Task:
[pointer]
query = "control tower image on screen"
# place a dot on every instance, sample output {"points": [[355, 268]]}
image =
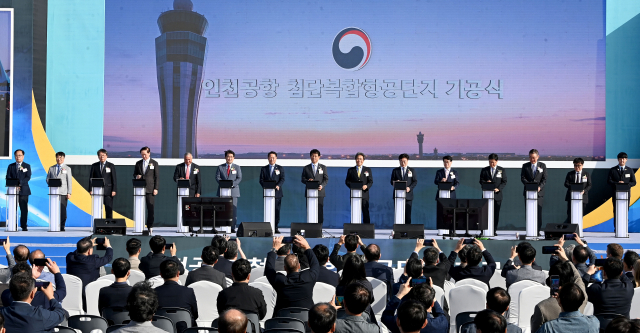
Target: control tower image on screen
{"points": [[180, 54]]}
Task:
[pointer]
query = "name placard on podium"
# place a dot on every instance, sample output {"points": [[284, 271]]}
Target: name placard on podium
{"points": [[399, 200], [622, 210], [12, 185], [225, 187], [489, 193], [356, 201], [531, 208], [54, 203], [313, 190], [269, 196], [139, 205], [576, 205]]}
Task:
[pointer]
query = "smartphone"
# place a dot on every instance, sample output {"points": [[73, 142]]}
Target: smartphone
{"points": [[601, 262], [428, 242], [555, 283], [549, 249], [469, 241], [287, 240], [100, 241], [415, 282], [40, 262], [569, 237], [43, 284], [339, 300], [168, 246], [353, 233], [2, 241], [232, 240]]}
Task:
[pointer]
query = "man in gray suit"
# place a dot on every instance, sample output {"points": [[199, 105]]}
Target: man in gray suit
{"points": [[142, 304], [231, 171], [63, 172], [5, 273], [513, 274]]}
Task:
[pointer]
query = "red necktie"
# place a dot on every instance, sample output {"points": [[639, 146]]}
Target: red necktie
{"points": [[188, 171], [228, 170]]}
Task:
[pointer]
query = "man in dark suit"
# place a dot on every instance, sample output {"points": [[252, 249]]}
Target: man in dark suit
{"points": [[436, 264], [446, 174], [620, 174], [21, 171], [361, 173], [107, 171], [240, 295], [578, 176], [190, 171], [405, 173], [629, 260], [39, 299], [474, 268], [318, 172], [324, 275], [497, 175], [535, 172], [221, 243], [206, 272], [21, 316], [86, 265], [172, 294], [147, 168], [150, 264], [116, 294], [351, 243], [296, 288], [233, 172], [274, 172], [377, 270], [615, 293]]}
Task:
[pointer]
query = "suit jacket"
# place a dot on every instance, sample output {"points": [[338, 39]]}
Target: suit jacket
{"points": [[64, 176], [23, 317], [243, 297], [328, 276], [108, 174], [499, 178], [294, 289], [206, 273], [410, 177], [628, 176], [195, 185], [321, 175], [87, 268], [135, 327], [525, 272], [453, 177], [381, 272], [5, 273], [224, 265], [152, 176], [150, 264], [23, 176], [40, 299], [480, 272], [365, 177], [571, 179], [438, 273], [171, 294], [338, 260], [279, 264], [114, 295], [235, 174], [526, 176], [612, 296], [278, 176]]}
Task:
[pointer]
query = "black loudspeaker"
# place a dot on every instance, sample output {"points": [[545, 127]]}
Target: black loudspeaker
{"points": [[554, 231], [408, 231], [254, 229], [307, 230], [362, 230], [110, 227]]}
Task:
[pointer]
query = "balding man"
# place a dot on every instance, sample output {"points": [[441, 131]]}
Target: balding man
{"points": [[296, 288], [191, 171], [377, 270], [43, 275], [233, 321], [21, 253]]}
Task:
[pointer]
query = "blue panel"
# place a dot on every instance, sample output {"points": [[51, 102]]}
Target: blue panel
{"points": [[75, 75]]}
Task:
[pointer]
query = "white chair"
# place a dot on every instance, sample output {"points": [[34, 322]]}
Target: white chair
{"points": [[256, 273], [473, 282], [73, 301], [514, 292], [229, 282], [439, 295], [448, 285], [135, 276], [262, 279], [206, 298], [546, 273], [156, 281], [323, 293], [397, 273], [92, 290], [588, 309], [635, 304], [109, 277], [183, 278], [497, 280], [269, 295], [380, 295], [465, 298], [529, 298]]}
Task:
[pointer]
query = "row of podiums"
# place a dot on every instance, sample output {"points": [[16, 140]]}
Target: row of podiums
{"points": [[312, 191]]}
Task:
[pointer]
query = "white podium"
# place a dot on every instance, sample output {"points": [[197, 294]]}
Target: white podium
{"points": [[97, 199], [313, 190], [576, 205], [531, 208], [488, 192], [444, 192], [356, 202], [12, 204], [269, 196], [400, 201], [54, 203], [622, 210], [225, 192], [139, 205], [183, 192]]}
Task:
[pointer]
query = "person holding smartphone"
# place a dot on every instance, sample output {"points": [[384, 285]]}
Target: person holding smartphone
{"points": [[436, 263], [39, 299], [527, 255], [474, 268], [84, 264], [5, 273], [150, 264]]}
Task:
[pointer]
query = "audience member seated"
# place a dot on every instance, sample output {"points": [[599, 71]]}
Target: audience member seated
{"points": [[623, 325], [5, 273], [570, 298], [630, 258], [489, 321], [223, 265], [423, 293], [354, 272], [39, 273], [549, 309], [615, 251], [325, 275], [517, 261], [172, 294], [412, 317], [240, 295], [233, 321], [233, 249], [150, 264], [21, 316], [21, 253], [86, 265], [296, 288], [206, 271], [351, 243], [436, 264], [322, 317], [377, 270], [527, 255], [40, 299], [412, 269], [462, 254], [115, 295], [578, 254], [614, 294], [282, 253], [142, 303], [474, 268], [498, 300], [134, 247], [356, 301]]}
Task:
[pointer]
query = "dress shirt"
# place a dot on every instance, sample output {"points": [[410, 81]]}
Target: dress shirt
{"points": [[571, 322]]}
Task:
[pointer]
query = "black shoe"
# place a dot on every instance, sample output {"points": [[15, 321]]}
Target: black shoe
{"points": [[62, 229], [25, 229]]}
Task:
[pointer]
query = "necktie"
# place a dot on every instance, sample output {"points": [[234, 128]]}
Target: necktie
{"points": [[492, 171], [58, 170], [101, 167], [358, 172], [533, 169], [271, 170], [578, 177], [19, 165], [228, 170], [187, 171], [314, 169], [146, 164], [621, 170]]}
